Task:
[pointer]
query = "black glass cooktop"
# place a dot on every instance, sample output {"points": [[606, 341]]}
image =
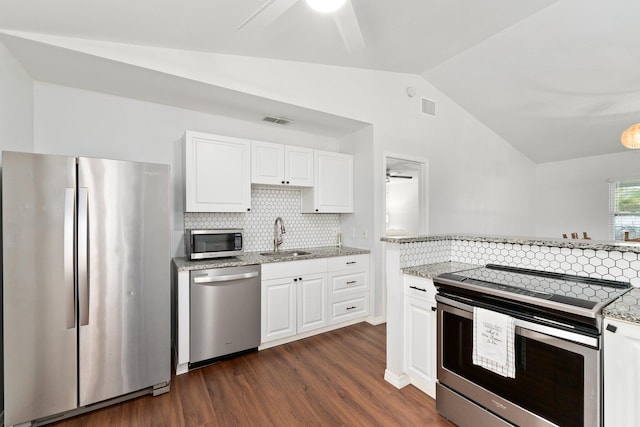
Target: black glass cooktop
{"points": [[555, 290]]}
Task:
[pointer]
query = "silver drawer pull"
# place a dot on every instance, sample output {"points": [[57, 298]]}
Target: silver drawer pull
{"points": [[351, 308], [351, 262], [351, 282], [418, 289]]}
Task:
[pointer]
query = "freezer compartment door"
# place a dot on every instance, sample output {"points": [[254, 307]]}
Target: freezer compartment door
{"points": [[39, 330], [123, 277]]}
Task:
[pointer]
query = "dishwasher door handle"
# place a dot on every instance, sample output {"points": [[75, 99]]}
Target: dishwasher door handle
{"points": [[205, 279]]}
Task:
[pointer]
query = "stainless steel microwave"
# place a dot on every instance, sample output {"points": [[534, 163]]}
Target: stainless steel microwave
{"points": [[206, 244]]}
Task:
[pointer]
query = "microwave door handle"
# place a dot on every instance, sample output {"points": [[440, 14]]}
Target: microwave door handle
{"points": [[68, 249], [83, 255]]}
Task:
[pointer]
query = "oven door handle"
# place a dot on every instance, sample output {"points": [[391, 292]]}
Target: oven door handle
{"points": [[541, 325]]}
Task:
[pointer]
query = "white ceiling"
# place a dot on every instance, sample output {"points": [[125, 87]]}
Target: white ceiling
{"points": [[557, 79]]}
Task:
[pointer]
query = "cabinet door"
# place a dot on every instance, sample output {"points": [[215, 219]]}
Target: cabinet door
{"points": [[267, 163], [312, 302], [420, 344], [298, 166], [217, 173], [332, 190], [621, 373], [278, 309]]}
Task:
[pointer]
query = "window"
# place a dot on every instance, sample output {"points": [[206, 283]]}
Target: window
{"points": [[624, 209]]}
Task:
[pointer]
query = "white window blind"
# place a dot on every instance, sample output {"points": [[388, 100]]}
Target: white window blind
{"points": [[624, 208]]}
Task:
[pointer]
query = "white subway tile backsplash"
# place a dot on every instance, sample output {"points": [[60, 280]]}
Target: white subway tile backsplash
{"points": [[302, 230]]}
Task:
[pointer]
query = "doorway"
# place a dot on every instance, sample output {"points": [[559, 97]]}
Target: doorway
{"points": [[406, 212]]}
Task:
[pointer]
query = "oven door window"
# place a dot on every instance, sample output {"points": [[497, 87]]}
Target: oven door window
{"points": [[549, 380]]}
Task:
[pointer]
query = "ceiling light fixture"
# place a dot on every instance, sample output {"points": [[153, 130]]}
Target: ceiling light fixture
{"points": [[325, 6], [631, 137]]}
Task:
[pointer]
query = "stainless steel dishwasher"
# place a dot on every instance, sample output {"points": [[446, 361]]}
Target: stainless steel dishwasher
{"points": [[224, 313]]}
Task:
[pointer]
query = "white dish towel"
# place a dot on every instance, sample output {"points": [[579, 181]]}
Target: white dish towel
{"points": [[493, 342]]}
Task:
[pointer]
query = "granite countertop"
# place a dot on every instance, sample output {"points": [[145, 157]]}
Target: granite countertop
{"points": [[627, 307], [252, 258], [530, 241], [430, 270]]}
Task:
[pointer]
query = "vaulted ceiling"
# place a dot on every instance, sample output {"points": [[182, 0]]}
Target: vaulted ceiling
{"points": [[556, 79]]}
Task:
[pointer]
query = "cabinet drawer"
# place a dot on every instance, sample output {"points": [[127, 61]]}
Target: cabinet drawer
{"points": [[419, 287], [344, 283], [351, 308], [277, 270], [352, 262]]}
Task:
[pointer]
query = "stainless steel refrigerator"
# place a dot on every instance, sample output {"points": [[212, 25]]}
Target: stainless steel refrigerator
{"points": [[86, 293]]}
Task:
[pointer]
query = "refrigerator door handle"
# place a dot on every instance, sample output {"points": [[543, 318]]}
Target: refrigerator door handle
{"points": [[83, 255], [69, 240]]}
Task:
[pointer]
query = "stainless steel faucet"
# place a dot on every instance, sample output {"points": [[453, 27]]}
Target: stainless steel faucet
{"points": [[277, 234]]}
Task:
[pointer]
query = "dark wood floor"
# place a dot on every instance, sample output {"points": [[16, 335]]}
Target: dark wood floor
{"points": [[333, 379]]}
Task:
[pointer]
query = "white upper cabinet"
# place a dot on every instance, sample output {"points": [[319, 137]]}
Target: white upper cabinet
{"points": [[267, 163], [277, 164], [217, 173], [333, 184], [298, 166]]}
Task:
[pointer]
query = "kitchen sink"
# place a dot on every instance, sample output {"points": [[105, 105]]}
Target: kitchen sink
{"points": [[284, 254]]}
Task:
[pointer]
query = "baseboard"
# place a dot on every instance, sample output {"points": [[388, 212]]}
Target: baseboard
{"points": [[398, 381], [308, 334], [375, 321]]}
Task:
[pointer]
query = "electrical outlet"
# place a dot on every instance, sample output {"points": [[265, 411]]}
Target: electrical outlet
{"points": [[364, 233], [353, 232]]}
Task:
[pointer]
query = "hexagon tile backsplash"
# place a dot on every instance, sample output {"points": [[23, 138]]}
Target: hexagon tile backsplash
{"points": [[302, 230], [612, 265]]}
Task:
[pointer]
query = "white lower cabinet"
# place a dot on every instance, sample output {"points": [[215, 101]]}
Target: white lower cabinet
{"points": [[621, 373], [420, 333], [356, 306], [294, 298], [278, 309], [348, 287], [303, 298], [312, 302]]}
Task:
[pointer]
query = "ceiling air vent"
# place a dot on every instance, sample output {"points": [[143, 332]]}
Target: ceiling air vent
{"points": [[276, 120], [428, 107]]}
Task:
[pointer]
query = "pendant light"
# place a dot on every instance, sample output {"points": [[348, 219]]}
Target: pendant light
{"points": [[631, 137], [325, 6]]}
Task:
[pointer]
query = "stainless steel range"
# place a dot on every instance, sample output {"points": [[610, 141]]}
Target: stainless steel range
{"points": [[552, 354]]}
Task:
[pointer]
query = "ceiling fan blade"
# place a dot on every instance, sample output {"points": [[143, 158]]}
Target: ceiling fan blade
{"points": [[267, 13], [348, 27]]}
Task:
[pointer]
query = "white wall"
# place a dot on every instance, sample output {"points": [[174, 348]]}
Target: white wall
{"points": [[573, 195], [71, 121], [358, 228], [16, 104], [477, 182]]}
